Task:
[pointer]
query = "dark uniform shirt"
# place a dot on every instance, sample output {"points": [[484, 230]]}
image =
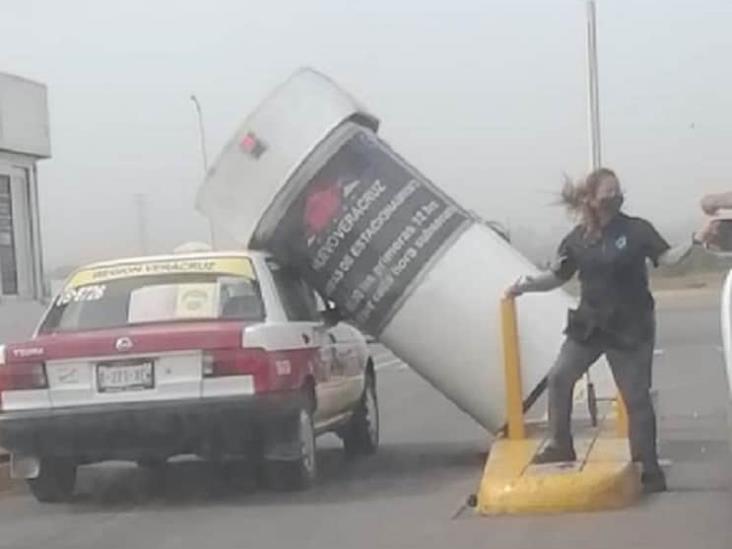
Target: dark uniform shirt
{"points": [[616, 306]]}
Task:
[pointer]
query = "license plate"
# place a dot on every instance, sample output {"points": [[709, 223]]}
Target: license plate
{"points": [[125, 377]]}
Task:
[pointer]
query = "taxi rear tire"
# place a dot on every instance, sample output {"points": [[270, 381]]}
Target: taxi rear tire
{"points": [[55, 481], [300, 473], [361, 435]]}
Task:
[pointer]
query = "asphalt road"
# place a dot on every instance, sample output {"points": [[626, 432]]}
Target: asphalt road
{"points": [[408, 495]]}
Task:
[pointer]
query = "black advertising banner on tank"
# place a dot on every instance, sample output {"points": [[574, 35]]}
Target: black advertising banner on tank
{"points": [[363, 228]]}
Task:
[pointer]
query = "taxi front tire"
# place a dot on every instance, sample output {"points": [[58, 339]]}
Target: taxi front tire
{"points": [[55, 481], [361, 435]]}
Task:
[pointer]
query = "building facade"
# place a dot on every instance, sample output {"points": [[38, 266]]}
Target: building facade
{"points": [[24, 141]]}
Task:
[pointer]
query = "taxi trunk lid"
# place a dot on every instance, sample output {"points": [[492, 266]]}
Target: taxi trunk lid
{"points": [[156, 362]]}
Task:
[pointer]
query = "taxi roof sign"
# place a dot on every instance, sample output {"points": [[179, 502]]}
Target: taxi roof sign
{"points": [[236, 266]]}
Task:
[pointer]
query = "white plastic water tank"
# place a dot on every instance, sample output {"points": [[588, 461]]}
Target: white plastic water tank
{"points": [[307, 178]]}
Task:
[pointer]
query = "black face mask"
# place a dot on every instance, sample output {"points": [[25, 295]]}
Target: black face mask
{"points": [[612, 204]]}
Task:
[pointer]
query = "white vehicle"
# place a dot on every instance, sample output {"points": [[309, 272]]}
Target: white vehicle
{"points": [[727, 343], [216, 354]]}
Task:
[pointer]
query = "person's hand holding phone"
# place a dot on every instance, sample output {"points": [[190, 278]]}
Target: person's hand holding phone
{"points": [[712, 203]]}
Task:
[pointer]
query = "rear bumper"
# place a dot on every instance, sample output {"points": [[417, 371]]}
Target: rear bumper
{"points": [[209, 427]]}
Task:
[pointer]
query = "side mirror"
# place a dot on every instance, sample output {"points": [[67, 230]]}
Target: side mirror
{"points": [[331, 316]]}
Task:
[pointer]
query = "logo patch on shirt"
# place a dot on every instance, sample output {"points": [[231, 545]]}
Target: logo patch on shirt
{"points": [[621, 243]]}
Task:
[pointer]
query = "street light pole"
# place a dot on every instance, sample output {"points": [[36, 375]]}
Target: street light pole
{"points": [[202, 135], [593, 104], [201, 132], [142, 227], [593, 89]]}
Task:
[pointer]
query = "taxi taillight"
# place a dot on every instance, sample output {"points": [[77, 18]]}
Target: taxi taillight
{"points": [[235, 362], [23, 376]]}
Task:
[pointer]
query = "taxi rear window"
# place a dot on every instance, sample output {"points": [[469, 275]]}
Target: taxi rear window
{"points": [[119, 297]]}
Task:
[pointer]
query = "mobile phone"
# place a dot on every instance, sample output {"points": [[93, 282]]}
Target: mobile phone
{"points": [[722, 240]]}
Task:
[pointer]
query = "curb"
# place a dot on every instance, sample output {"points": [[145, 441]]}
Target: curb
{"points": [[604, 478]]}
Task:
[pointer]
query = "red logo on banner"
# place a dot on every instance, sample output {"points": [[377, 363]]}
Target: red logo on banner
{"points": [[321, 206]]}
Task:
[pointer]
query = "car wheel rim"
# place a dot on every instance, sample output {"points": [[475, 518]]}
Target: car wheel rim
{"points": [[307, 440], [372, 416]]}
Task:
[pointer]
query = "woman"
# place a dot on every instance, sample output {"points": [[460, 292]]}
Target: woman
{"points": [[615, 316]]}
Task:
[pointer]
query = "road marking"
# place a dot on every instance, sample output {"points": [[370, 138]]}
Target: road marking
{"points": [[658, 352], [383, 358]]}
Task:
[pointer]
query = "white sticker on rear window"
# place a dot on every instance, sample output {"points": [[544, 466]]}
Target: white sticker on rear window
{"points": [[85, 293]]}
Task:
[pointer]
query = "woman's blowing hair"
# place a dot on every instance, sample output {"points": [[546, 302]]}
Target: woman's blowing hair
{"points": [[577, 198]]}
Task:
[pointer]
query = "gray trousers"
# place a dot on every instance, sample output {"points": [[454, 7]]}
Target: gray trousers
{"points": [[632, 372]]}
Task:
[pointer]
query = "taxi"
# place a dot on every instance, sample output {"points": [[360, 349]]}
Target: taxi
{"points": [[219, 355]]}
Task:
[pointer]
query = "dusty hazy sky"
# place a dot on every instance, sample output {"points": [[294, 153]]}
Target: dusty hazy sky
{"points": [[486, 97]]}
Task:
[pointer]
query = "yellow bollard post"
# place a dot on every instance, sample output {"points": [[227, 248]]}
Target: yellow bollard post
{"points": [[621, 427], [512, 367]]}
